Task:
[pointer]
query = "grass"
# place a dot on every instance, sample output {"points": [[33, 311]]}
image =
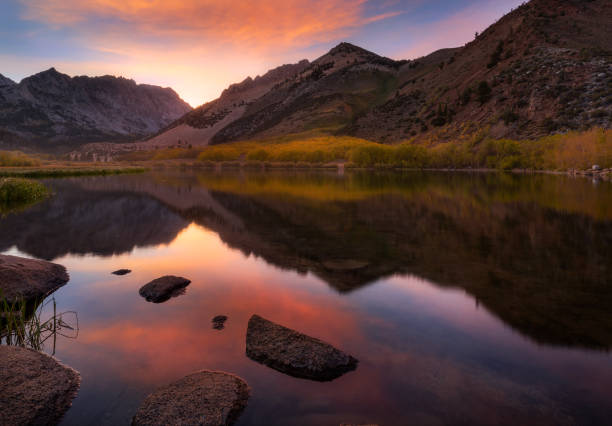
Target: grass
{"points": [[51, 172], [21, 324], [318, 149], [574, 150], [16, 159], [17, 194]]}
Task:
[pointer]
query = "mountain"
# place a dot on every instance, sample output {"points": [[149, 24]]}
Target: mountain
{"points": [[51, 110], [545, 67]]}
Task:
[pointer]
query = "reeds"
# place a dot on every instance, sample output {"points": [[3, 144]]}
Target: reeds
{"points": [[21, 324]]}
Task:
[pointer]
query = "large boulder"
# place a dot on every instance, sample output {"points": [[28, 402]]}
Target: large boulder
{"points": [[162, 289], [35, 389], [28, 279], [294, 353], [205, 398]]}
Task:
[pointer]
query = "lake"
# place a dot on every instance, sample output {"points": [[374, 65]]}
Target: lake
{"points": [[468, 298]]}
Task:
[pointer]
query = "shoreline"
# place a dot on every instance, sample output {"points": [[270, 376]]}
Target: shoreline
{"points": [[135, 167], [603, 174]]}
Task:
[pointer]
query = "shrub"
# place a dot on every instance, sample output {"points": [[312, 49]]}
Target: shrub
{"points": [[258, 155], [466, 96], [17, 193], [16, 159], [496, 55], [484, 92], [509, 117]]}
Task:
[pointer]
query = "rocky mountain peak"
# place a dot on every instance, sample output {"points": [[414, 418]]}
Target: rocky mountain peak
{"points": [[77, 110], [348, 48], [6, 82]]}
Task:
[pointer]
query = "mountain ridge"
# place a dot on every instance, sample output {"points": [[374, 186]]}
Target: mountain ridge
{"points": [[50, 110], [545, 67]]}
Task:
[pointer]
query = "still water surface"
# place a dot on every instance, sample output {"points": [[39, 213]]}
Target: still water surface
{"points": [[467, 298]]}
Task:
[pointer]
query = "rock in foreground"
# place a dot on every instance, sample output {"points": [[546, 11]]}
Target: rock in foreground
{"points": [[162, 289], [295, 353], [35, 388], [28, 279], [204, 398]]}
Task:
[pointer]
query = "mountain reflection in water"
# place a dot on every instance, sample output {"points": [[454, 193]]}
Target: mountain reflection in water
{"points": [[533, 250]]}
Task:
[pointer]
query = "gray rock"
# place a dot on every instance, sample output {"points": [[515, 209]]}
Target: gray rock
{"points": [[35, 388], [28, 279], [205, 398], [294, 353], [162, 289], [121, 272]]}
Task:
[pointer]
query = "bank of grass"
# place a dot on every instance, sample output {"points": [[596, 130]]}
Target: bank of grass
{"points": [[51, 172], [574, 150], [17, 194], [313, 150], [17, 159]]}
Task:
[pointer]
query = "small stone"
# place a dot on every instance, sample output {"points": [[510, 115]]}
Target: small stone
{"points": [[28, 279], [219, 322], [36, 389], [162, 289], [121, 272], [294, 353], [209, 398]]}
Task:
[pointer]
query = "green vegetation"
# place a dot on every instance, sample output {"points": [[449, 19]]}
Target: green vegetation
{"points": [[17, 194], [16, 159], [70, 172], [21, 324], [558, 152], [313, 150]]}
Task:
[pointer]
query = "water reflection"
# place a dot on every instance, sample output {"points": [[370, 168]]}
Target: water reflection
{"points": [[432, 281], [533, 250], [76, 220]]}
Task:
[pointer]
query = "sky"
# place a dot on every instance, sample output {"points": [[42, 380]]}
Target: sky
{"points": [[199, 47]]}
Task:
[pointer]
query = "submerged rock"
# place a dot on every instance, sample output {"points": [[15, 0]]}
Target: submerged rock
{"points": [[121, 272], [294, 353], [28, 279], [162, 289], [219, 322], [35, 388], [209, 398]]}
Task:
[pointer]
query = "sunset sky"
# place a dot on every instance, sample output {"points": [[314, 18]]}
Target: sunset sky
{"points": [[199, 47]]}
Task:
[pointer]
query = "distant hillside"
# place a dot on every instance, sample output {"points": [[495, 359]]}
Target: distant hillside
{"points": [[51, 111], [545, 67]]}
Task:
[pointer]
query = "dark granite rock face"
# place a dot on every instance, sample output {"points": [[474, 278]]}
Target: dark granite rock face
{"points": [[35, 388], [162, 289], [121, 272], [51, 109], [209, 398], [28, 279], [294, 353]]}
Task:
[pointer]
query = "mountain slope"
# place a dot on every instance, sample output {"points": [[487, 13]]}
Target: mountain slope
{"points": [[50, 110], [545, 67]]}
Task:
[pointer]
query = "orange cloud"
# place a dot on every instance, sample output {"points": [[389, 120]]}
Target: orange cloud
{"points": [[254, 23], [197, 47]]}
